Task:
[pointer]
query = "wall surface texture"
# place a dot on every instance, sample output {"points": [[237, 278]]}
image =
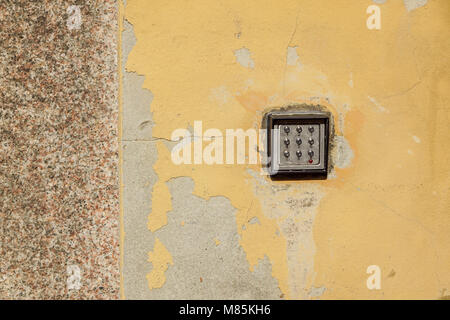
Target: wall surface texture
{"points": [[59, 161], [226, 231], [92, 205]]}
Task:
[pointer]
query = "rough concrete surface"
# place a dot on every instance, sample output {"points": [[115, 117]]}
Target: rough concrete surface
{"points": [[384, 203], [208, 260], [221, 231]]}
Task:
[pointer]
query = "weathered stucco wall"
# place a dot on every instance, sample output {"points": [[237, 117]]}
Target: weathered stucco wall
{"points": [[225, 231], [59, 153]]}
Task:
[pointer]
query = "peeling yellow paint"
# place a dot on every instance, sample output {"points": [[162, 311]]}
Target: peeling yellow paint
{"points": [[386, 207], [160, 259]]}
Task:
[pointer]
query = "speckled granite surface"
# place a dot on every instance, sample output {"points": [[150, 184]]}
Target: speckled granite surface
{"points": [[59, 190]]}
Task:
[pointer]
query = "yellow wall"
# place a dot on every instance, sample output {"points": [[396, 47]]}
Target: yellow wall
{"points": [[388, 90]]}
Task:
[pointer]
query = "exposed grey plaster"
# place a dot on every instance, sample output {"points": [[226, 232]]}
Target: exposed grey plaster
{"points": [[416, 139], [294, 208], [292, 57], [139, 155], [209, 262], [137, 123], [138, 177], [350, 82], [377, 104], [411, 5], [243, 57], [254, 220], [379, 1]]}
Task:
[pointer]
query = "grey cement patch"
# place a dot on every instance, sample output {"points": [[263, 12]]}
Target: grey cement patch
{"points": [[294, 207], [137, 121], [138, 177], [139, 155], [292, 57], [208, 261], [342, 153], [317, 292]]}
